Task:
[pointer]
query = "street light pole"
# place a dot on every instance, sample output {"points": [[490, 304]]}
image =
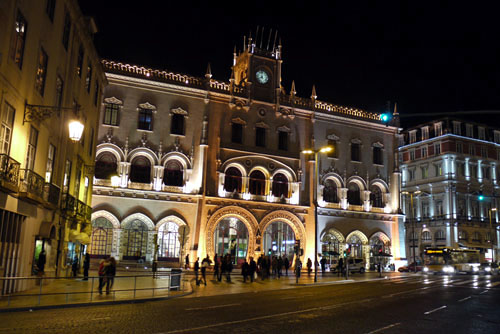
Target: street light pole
{"points": [[413, 227], [493, 234]]}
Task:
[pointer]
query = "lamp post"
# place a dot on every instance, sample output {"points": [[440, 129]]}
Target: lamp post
{"points": [[324, 149], [412, 226], [493, 234]]}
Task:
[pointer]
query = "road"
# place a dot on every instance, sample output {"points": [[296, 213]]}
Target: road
{"points": [[406, 304]]}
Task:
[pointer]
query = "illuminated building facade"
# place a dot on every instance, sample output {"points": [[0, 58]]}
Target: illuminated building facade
{"points": [[450, 171], [190, 165], [50, 75]]}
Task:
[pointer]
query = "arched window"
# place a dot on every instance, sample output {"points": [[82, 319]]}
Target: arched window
{"points": [[353, 194], [257, 183], [173, 174], [231, 237], [102, 238], [280, 185], [105, 165], [439, 235], [330, 193], [135, 240], [279, 240], [140, 170], [426, 236], [233, 180], [376, 197], [168, 241], [330, 245], [476, 237], [356, 246]]}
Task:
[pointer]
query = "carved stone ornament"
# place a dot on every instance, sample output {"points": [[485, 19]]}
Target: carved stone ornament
{"points": [[248, 162], [356, 141], [262, 125], [179, 111], [238, 120], [148, 105], [284, 128], [378, 144], [332, 137], [262, 112], [113, 100]]}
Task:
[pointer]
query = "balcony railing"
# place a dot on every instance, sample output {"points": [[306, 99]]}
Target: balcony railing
{"points": [[68, 204], [9, 173], [51, 194], [81, 209], [31, 185]]}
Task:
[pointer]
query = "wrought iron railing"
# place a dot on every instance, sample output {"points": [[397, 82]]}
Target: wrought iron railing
{"points": [[51, 194], [81, 208], [68, 204], [31, 183], [9, 170]]}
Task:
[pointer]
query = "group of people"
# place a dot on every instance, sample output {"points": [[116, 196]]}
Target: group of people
{"points": [[107, 273]]}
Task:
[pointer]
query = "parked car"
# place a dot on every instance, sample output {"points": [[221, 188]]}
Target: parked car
{"points": [[357, 266], [410, 268], [488, 268]]}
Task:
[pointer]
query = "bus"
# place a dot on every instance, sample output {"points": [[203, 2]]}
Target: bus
{"points": [[447, 260]]}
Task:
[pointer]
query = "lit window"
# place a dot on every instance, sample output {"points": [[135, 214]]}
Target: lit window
{"points": [[145, 119], [41, 72], [111, 111], [19, 40], [6, 127]]}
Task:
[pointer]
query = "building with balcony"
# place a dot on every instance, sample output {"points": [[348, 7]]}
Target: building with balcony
{"points": [[450, 180], [193, 165], [50, 74]]}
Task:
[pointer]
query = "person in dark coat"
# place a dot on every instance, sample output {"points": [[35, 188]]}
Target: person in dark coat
{"points": [[216, 266], [252, 267], [309, 267], [74, 266], [86, 267], [154, 269], [204, 265], [340, 267], [196, 269], [323, 265], [229, 268], [186, 260], [245, 270], [280, 266], [286, 263], [42, 258], [110, 274]]}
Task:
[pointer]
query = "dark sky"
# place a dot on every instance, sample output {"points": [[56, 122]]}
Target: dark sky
{"points": [[426, 56]]}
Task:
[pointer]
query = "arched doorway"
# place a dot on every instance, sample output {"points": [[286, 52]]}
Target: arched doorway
{"points": [[231, 237], [140, 170], [135, 240], [279, 240], [173, 174], [105, 165], [257, 183], [330, 193], [232, 180], [331, 248], [356, 245], [102, 238], [280, 186], [380, 250], [168, 242]]}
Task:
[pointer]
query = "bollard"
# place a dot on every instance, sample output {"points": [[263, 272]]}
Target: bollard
{"points": [[40, 292], [92, 289]]}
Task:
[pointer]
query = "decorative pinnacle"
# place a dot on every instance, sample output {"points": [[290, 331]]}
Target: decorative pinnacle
{"points": [[395, 112], [293, 91], [313, 95], [208, 75]]}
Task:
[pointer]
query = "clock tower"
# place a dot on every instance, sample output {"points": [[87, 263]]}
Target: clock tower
{"points": [[258, 68]]}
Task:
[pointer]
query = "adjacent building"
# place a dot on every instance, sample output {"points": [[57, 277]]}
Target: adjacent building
{"points": [[194, 165], [450, 186], [50, 75]]}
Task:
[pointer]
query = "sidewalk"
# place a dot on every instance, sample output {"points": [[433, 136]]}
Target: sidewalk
{"points": [[66, 292]]}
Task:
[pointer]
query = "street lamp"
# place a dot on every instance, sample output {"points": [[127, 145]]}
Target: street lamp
{"points": [[493, 234], [324, 149], [413, 225]]}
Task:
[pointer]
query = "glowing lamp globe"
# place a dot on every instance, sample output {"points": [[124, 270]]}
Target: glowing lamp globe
{"points": [[75, 130]]}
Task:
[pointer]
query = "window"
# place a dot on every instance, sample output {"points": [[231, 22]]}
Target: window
{"points": [[472, 149], [59, 91], [330, 192], [411, 174], [280, 186], [50, 8], [173, 174], [19, 40], [484, 152], [257, 183], [439, 170], [168, 240], [424, 152], [177, 126], [481, 133], [283, 140], [412, 155], [145, 119], [88, 78], [426, 236], [437, 149], [260, 137], [31, 152], [439, 235], [91, 142], [486, 172], [50, 163], [334, 152], [67, 31], [237, 133], [460, 147], [476, 237], [462, 235], [41, 72], [6, 127], [378, 158], [96, 93], [456, 128], [67, 175], [425, 133], [439, 209], [111, 111], [353, 194], [376, 197], [438, 130], [79, 63], [425, 210], [355, 152], [233, 180], [413, 136], [461, 167], [140, 170], [496, 135], [469, 130], [105, 166]]}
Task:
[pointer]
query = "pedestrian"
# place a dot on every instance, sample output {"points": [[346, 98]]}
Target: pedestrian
{"points": [[280, 266], [340, 267], [196, 269], [204, 265], [110, 274], [323, 265], [245, 270], [298, 268], [223, 266], [216, 266], [252, 268], [154, 268], [42, 258], [86, 267], [309, 266], [102, 274], [186, 262], [229, 268], [287, 265], [259, 265], [275, 266], [74, 266]]}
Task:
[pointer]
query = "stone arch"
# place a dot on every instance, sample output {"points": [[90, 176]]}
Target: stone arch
{"points": [[290, 176], [360, 235], [145, 152], [139, 216], [261, 169], [107, 215], [382, 236], [111, 148], [178, 156], [380, 184], [358, 180], [291, 219], [171, 218], [236, 165], [335, 233], [335, 178], [243, 215]]}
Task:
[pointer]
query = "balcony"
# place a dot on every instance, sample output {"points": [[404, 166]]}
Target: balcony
{"points": [[9, 173], [51, 195], [68, 204], [81, 209], [31, 186]]}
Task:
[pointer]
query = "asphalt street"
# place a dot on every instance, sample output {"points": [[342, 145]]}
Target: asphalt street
{"points": [[406, 304]]}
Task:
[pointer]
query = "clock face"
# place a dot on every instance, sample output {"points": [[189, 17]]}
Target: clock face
{"points": [[262, 77]]}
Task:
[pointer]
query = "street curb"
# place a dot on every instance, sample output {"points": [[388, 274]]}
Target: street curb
{"points": [[103, 303]]}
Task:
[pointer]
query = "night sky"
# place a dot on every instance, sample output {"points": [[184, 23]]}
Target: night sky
{"points": [[426, 56]]}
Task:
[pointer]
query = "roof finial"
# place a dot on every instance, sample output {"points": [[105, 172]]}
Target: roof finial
{"points": [[275, 36], [208, 75], [269, 39], [395, 112], [293, 91], [256, 35], [261, 37], [313, 95]]}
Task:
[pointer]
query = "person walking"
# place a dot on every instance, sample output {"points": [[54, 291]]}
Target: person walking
{"points": [[102, 274], [252, 268], [229, 268], [196, 269], [186, 262], [110, 274], [216, 266], [86, 267], [287, 265], [340, 267], [42, 258], [204, 265], [275, 266], [298, 269], [280, 266], [245, 270], [323, 265], [74, 266], [154, 269], [309, 266]]}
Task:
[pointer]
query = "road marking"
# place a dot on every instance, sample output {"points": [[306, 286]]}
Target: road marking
{"points": [[483, 292], [386, 327], [464, 282], [464, 299], [97, 319], [210, 307], [494, 284], [436, 309]]}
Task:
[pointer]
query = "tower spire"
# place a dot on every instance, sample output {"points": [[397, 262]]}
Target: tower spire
{"points": [[313, 94], [292, 91], [208, 75]]}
